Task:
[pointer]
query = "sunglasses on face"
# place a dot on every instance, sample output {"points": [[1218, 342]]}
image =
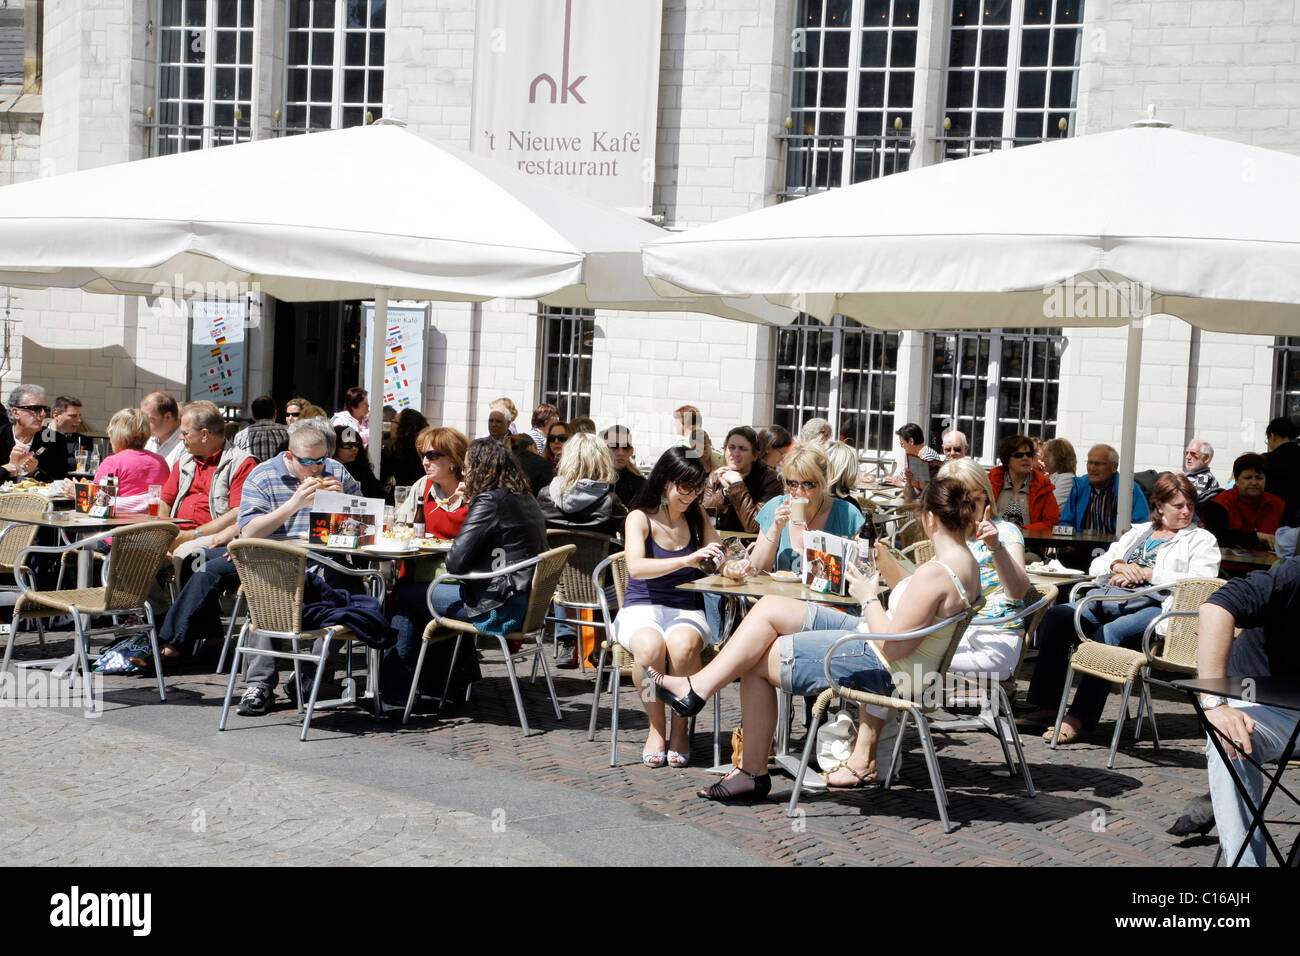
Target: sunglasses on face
{"points": [[794, 485], [619, 447], [687, 488], [1021, 454], [355, 446], [432, 455], [291, 414], [310, 462], [35, 409], [560, 438]]}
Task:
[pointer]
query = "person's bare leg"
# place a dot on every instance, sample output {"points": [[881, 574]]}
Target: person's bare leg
{"points": [[863, 758], [758, 717], [648, 650], [766, 621], [684, 647]]}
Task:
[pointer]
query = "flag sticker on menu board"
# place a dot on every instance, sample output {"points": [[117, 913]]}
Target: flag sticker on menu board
{"points": [[403, 352], [217, 349]]}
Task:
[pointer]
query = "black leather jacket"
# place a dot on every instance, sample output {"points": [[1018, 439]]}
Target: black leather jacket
{"points": [[500, 529]]}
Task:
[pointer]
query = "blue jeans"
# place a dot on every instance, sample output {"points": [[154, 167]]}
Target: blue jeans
{"points": [[409, 614], [1056, 637], [1273, 727], [196, 615]]}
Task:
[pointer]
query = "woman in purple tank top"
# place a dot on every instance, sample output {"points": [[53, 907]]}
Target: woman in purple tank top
{"points": [[667, 536]]}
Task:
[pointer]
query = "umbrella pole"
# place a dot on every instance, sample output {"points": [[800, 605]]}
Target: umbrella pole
{"points": [[1128, 432], [375, 376]]}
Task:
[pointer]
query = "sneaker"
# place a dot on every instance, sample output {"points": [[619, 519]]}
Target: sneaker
{"points": [[256, 702], [568, 655]]}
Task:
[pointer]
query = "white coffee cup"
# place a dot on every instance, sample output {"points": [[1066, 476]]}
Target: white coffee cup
{"points": [[799, 510]]}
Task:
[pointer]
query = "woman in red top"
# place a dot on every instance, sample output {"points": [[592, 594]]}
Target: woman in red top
{"points": [[1025, 496], [1245, 516], [437, 500]]}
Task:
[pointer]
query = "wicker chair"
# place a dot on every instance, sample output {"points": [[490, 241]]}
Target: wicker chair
{"points": [[920, 551], [996, 716], [547, 570], [921, 701], [133, 559], [1122, 665], [15, 536], [576, 590], [272, 578]]}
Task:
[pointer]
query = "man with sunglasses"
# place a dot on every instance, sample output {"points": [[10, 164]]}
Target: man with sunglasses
{"points": [[275, 502], [28, 447]]}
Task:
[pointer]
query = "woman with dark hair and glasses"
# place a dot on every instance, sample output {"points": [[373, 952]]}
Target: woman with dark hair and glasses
{"points": [[1025, 496], [501, 525], [805, 506], [349, 453], [667, 536], [557, 433]]}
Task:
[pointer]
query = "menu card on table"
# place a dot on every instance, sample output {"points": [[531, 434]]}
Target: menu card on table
{"points": [[95, 500], [824, 559], [345, 521]]}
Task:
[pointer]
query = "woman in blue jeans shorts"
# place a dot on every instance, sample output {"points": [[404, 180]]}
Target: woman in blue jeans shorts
{"points": [[783, 641], [1159, 552]]}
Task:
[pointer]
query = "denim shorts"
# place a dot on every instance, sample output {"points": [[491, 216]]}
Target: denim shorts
{"points": [[855, 664]]}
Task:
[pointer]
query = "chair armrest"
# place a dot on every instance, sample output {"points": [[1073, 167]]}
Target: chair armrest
{"points": [[20, 562], [869, 636], [1150, 633], [474, 576], [1080, 588], [1097, 598], [597, 573]]}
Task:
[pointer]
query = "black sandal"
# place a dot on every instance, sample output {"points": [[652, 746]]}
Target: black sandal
{"points": [[687, 706], [719, 793]]}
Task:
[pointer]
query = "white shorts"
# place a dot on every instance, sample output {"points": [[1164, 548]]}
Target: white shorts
{"points": [[655, 617]]}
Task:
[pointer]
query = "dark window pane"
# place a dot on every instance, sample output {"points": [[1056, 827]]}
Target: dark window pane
{"points": [[245, 86], [1069, 11], [356, 13], [1033, 90], [377, 14], [223, 115], [322, 49], [320, 117], [993, 89], [169, 46], [1029, 126], [299, 15], [354, 116], [376, 49], [246, 47], [905, 13], [1062, 93], [965, 12], [322, 86], [809, 83], [196, 13], [993, 47], [834, 90], [997, 11], [227, 13], [297, 49], [839, 13], [962, 47], [296, 90], [354, 86], [874, 44], [295, 117], [835, 49], [900, 90], [958, 124], [988, 125], [961, 89], [870, 124], [376, 92], [193, 83], [323, 14], [875, 13], [194, 115], [192, 46], [1033, 47], [170, 14], [224, 81], [902, 54], [354, 49], [871, 88], [1065, 47]]}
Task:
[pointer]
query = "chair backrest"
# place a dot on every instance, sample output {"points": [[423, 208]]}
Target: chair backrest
{"points": [[922, 551], [1179, 647], [1036, 593], [137, 552], [20, 503], [923, 694], [575, 586], [546, 576], [272, 575]]}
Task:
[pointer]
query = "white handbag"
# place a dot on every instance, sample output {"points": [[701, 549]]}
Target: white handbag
{"points": [[835, 741]]}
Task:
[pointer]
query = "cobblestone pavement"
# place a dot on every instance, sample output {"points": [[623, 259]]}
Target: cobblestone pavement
{"points": [[1083, 813], [84, 793]]}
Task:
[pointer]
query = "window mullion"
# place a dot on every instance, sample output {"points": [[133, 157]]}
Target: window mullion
{"points": [[852, 82], [336, 107], [1013, 70], [209, 71]]}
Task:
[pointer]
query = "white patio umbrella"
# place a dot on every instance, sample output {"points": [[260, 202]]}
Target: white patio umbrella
{"points": [[373, 211], [1098, 230]]}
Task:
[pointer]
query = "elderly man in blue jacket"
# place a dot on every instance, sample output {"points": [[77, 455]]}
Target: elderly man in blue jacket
{"points": [[1093, 498]]}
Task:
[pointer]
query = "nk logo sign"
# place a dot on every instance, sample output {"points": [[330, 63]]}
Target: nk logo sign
{"points": [[566, 87]]}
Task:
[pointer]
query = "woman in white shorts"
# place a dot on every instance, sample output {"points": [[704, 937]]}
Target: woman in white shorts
{"points": [[667, 536]]}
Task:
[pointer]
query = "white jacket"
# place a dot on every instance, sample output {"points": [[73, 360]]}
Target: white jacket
{"points": [[1193, 553]]}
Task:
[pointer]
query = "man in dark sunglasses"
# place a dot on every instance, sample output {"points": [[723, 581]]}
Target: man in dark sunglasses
{"points": [[29, 447]]}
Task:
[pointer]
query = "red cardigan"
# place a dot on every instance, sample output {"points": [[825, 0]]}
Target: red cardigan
{"points": [[1044, 512]]}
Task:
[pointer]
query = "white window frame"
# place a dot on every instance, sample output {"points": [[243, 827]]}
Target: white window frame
{"points": [[372, 111], [176, 133], [574, 325]]}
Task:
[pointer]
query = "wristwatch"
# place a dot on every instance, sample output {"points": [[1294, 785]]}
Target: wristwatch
{"points": [[1211, 701]]}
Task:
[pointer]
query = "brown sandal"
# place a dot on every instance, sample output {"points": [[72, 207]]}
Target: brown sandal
{"points": [[863, 778]]}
